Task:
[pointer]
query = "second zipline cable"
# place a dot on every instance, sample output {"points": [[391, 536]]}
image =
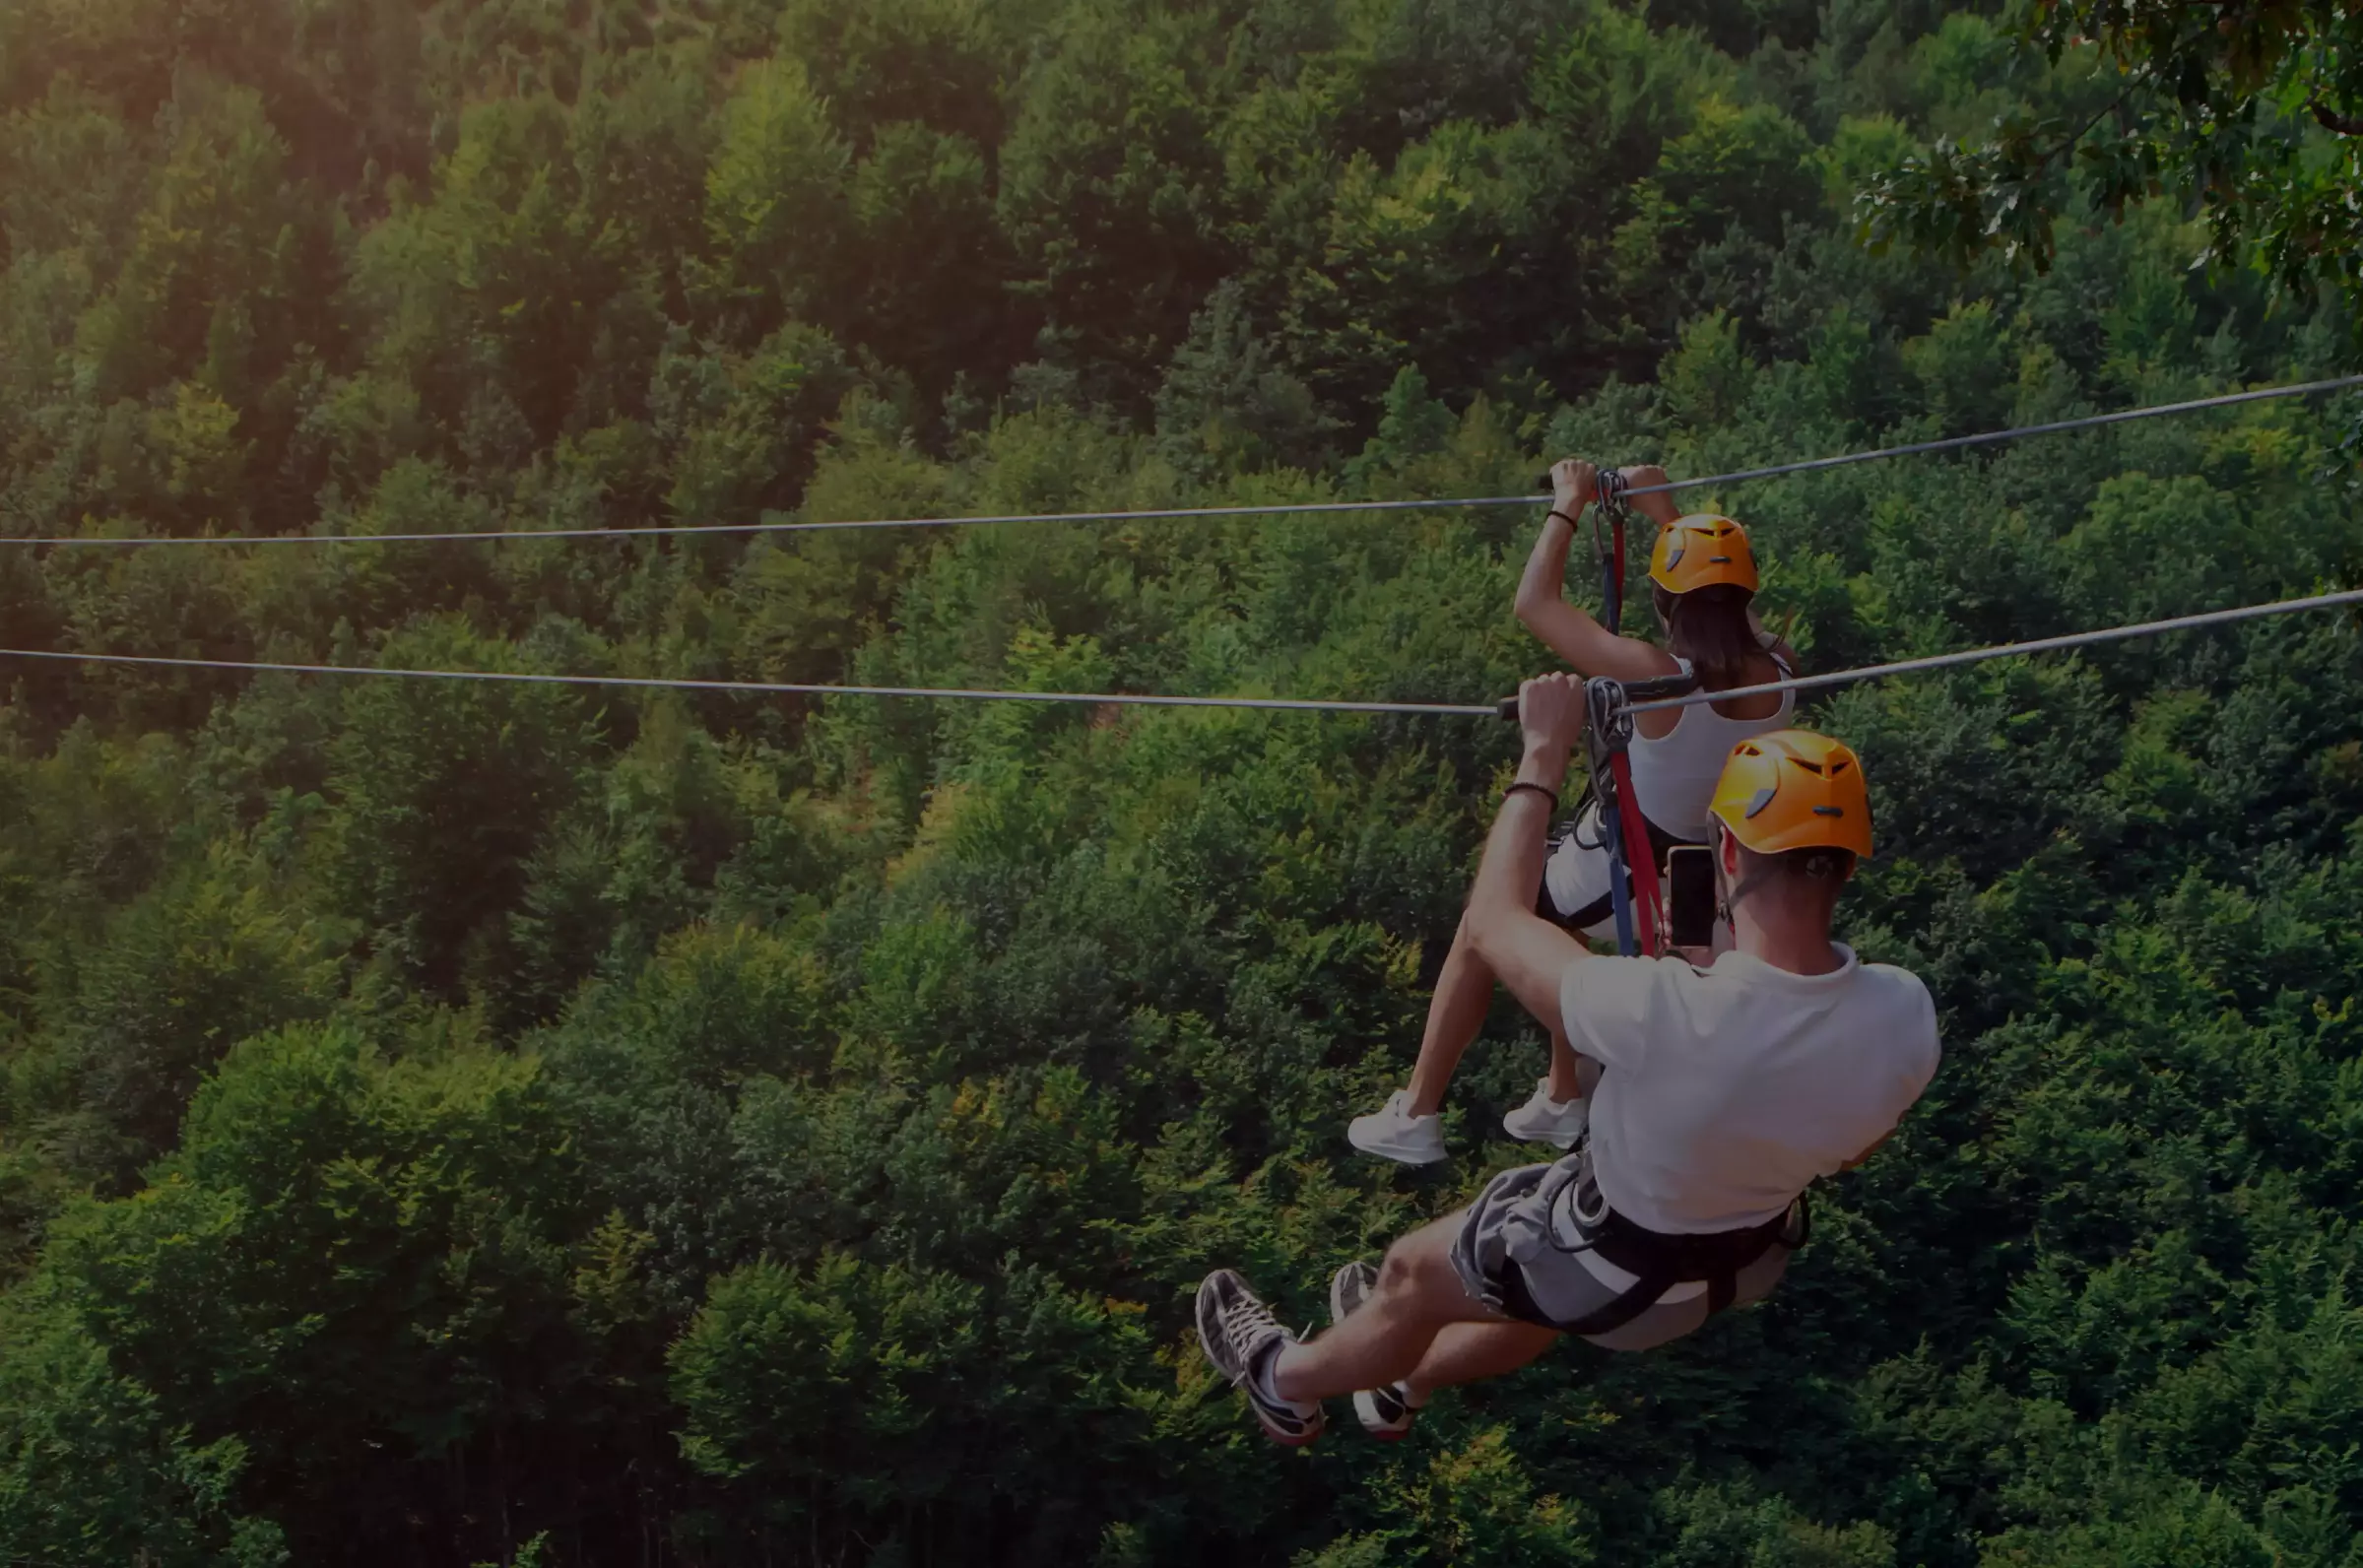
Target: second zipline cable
{"points": [[2009, 650], [1836, 678], [768, 688]]}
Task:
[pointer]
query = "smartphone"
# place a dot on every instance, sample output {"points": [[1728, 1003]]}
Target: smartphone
{"points": [[1691, 896]]}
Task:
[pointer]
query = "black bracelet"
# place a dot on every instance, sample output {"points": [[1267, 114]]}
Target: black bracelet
{"points": [[1543, 790], [1561, 516]]}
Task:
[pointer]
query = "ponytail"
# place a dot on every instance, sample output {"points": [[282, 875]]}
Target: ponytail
{"points": [[1712, 628]]}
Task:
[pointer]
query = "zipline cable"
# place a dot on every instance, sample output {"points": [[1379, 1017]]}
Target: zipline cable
{"points": [[2006, 650], [774, 688], [1953, 443], [1947, 444], [1942, 661]]}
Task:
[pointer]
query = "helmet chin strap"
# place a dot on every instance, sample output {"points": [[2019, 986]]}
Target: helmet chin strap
{"points": [[1730, 895], [1726, 896], [1746, 886]]}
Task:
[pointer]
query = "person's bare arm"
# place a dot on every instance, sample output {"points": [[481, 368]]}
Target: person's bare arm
{"points": [[1526, 953], [1566, 629], [1659, 505]]}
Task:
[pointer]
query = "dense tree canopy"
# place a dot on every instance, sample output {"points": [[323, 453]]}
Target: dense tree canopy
{"points": [[2250, 111], [452, 1124]]}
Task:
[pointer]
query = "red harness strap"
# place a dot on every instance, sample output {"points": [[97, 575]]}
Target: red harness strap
{"points": [[1612, 512], [1616, 606], [1649, 910]]}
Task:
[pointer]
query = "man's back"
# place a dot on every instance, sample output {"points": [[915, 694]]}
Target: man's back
{"points": [[1728, 1090]]}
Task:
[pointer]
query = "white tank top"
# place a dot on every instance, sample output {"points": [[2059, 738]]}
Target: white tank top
{"points": [[1675, 777]]}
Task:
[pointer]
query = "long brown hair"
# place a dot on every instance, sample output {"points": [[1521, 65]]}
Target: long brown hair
{"points": [[1711, 627]]}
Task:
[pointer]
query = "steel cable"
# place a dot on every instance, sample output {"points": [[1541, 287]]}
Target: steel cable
{"points": [[1835, 677], [689, 530]]}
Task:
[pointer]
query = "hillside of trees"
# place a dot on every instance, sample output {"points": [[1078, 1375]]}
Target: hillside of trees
{"points": [[452, 1124]]}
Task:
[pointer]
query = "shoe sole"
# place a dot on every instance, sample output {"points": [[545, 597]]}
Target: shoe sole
{"points": [[1399, 1156], [1556, 1140], [1287, 1439]]}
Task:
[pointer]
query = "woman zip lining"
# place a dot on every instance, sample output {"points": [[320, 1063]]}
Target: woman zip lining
{"points": [[1703, 581]]}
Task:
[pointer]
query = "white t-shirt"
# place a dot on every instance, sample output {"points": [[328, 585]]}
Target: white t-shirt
{"points": [[1728, 1090]]}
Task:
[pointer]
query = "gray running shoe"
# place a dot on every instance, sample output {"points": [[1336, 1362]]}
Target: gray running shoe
{"points": [[1237, 1332]]}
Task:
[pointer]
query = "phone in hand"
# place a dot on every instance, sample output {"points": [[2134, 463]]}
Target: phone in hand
{"points": [[1690, 896]]}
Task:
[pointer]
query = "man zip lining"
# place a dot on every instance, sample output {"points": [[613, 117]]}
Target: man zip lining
{"points": [[1719, 1095]]}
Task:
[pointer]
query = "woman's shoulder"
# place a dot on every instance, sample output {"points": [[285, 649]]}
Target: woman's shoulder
{"points": [[1775, 647], [1640, 659], [1760, 669]]}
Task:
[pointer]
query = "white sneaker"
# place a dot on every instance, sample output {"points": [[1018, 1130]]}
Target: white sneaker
{"points": [[1396, 1134], [1543, 1120]]}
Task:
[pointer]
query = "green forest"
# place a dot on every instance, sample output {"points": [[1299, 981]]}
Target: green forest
{"points": [[453, 1123]]}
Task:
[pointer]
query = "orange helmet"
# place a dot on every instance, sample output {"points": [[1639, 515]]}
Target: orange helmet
{"points": [[1700, 551], [1793, 789]]}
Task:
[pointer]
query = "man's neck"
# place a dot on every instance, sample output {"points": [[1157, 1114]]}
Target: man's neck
{"points": [[1784, 939]]}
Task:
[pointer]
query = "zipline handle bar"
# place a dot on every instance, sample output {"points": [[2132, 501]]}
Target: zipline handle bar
{"points": [[1656, 688]]}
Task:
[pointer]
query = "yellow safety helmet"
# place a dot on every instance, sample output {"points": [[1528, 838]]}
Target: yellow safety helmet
{"points": [[1700, 551], [1793, 789]]}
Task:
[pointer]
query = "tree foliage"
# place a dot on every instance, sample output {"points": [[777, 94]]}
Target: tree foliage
{"points": [[476, 1123], [2250, 115]]}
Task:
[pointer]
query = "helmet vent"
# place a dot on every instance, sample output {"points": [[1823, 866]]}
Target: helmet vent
{"points": [[1763, 797], [1829, 811]]}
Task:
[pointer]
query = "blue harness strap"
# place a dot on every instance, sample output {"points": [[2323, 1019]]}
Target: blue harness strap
{"points": [[1608, 547]]}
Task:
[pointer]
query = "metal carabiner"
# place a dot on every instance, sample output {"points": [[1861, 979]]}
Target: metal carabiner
{"points": [[1608, 731], [1608, 520]]}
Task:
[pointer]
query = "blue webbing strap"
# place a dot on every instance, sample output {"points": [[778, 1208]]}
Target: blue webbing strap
{"points": [[1608, 733]]}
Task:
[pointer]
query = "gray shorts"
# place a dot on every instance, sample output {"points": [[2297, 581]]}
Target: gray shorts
{"points": [[1524, 1219]]}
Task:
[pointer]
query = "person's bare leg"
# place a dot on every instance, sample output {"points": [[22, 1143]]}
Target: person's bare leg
{"points": [[1566, 1075], [1418, 1294], [1455, 1013], [1470, 1352]]}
